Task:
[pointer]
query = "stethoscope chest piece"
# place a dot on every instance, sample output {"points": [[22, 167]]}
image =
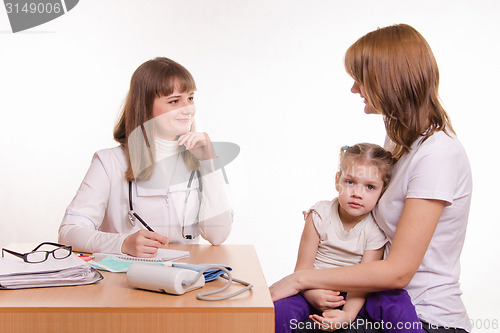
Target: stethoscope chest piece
{"points": [[131, 217]]}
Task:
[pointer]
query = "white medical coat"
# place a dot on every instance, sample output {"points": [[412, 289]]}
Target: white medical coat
{"points": [[97, 219]]}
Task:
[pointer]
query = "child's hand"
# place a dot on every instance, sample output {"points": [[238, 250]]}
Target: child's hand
{"points": [[332, 320], [322, 299]]}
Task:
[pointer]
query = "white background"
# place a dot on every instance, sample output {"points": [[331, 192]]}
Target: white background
{"points": [[270, 78]]}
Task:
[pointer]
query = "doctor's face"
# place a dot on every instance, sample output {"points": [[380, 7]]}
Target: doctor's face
{"points": [[174, 114]]}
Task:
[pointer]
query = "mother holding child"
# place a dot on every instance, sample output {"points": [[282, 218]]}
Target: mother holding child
{"points": [[410, 279]]}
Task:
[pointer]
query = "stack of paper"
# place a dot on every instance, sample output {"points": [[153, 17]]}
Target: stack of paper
{"points": [[71, 271]]}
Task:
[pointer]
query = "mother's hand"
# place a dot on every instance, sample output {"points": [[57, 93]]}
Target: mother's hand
{"points": [[286, 287], [198, 143]]}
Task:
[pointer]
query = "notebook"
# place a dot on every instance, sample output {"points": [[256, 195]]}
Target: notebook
{"points": [[161, 255]]}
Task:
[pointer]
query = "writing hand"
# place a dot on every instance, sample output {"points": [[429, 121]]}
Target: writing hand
{"points": [[143, 244]]}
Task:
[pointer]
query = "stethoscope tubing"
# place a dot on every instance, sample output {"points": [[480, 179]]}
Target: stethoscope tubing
{"points": [[133, 214], [131, 211]]}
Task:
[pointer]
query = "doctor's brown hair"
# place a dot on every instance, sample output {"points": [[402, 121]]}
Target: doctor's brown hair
{"points": [[154, 78], [397, 69], [369, 153]]}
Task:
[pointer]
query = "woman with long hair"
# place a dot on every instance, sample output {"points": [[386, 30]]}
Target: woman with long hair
{"points": [[161, 184], [424, 211]]}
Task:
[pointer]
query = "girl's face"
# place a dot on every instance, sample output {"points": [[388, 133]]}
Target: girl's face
{"points": [[357, 88], [174, 114], [360, 186]]}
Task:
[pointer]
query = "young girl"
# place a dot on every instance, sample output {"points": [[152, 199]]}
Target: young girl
{"points": [[343, 232], [161, 173]]}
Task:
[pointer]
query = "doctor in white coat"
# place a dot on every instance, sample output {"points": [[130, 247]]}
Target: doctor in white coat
{"points": [[163, 173]]}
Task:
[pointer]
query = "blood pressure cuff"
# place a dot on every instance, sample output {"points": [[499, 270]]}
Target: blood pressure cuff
{"points": [[210, 274]]}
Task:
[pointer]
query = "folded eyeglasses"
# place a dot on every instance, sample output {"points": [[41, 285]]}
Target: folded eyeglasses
{"points": [[38, 256]]}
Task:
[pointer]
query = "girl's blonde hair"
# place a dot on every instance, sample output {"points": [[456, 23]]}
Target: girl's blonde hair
{"points": [[397, 69], [368, 153], [154, 78]]}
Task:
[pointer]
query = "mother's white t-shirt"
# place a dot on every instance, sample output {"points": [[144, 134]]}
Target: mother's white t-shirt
{"points": [[437, 168]]}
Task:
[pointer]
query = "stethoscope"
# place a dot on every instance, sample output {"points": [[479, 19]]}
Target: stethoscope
{"points": [[133, 215]]}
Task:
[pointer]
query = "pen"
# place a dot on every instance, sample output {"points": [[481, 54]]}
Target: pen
{"points": [[132, 213], [141, 220], [85, 257]]}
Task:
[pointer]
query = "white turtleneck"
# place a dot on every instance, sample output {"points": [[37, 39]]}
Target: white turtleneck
{"points": [[166, 148]]}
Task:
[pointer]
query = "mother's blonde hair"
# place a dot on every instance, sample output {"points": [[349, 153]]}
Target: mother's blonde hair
{"points": [[154, 78], [400, 77]]}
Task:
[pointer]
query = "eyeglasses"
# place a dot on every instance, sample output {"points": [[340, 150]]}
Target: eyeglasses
{"points": [[35, 256]]}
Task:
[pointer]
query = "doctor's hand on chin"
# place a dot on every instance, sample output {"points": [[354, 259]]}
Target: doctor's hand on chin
{"points": [[198, 143], [143, 244]]}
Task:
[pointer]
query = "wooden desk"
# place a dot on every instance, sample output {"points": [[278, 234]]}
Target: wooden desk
{"points": [[112, 306]]}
